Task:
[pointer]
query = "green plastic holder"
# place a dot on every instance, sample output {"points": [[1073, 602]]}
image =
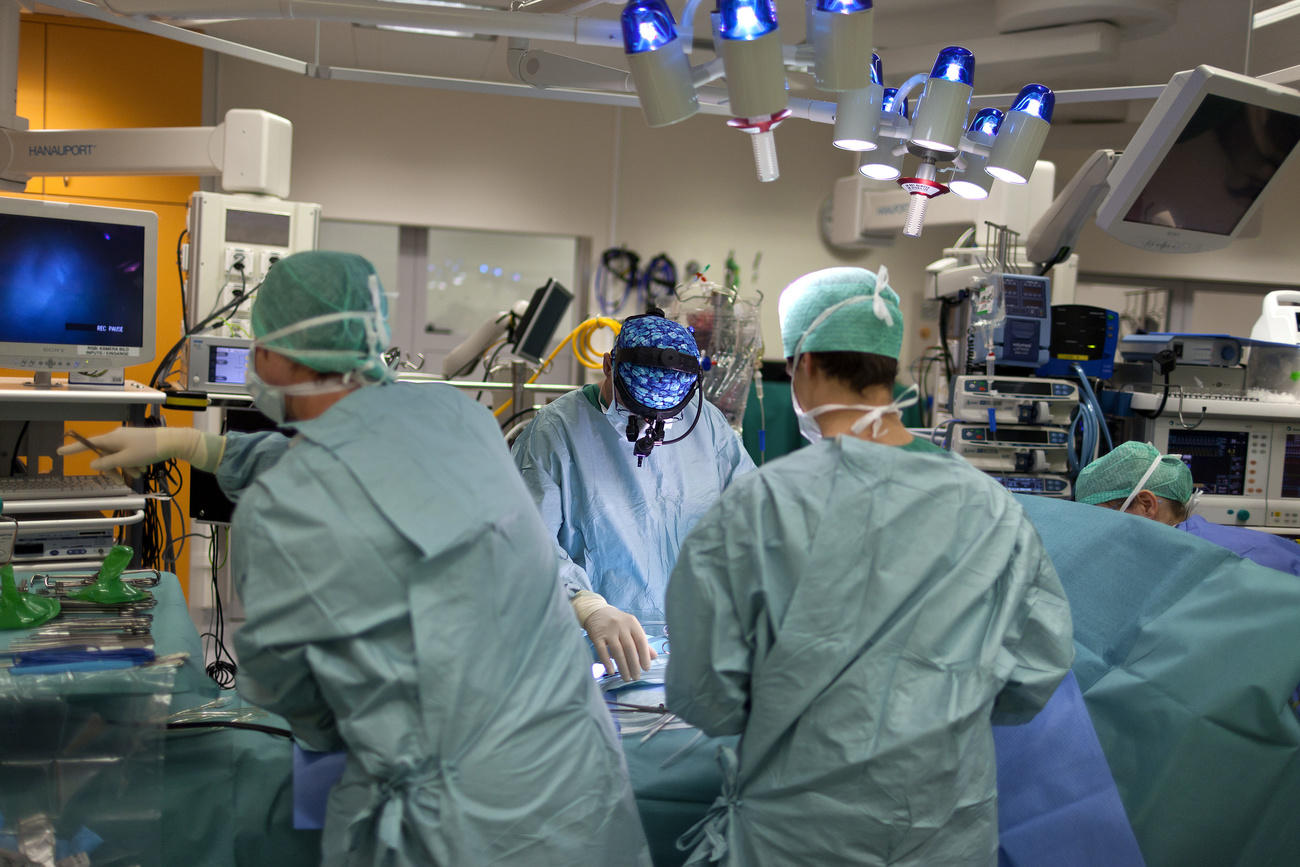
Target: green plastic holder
{"points": [[22, 610], [109, 588]]}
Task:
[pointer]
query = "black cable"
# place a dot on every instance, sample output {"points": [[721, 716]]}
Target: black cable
{"points": [[180, 275], [487, 368], [231, 724], [1164, 399], [694, 422], [170, 356], [505, 425], [222, 669], [18, 444]]}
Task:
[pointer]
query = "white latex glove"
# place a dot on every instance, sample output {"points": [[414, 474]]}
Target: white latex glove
{"points": [[615, 634], [142, 446]]}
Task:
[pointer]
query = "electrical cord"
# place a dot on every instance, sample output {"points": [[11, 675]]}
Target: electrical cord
{"points": [[14, 464], [523, 412], [222, 669], [231, 724], [660, 273], [169, 358], [180, 276], [699, 411]]}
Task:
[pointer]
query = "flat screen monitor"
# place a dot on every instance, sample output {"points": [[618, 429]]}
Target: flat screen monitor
{"points": [[1201, 162], [1229, 461], [538, 324], [77, 286]]}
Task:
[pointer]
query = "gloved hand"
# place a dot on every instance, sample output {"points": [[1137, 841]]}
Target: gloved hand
{"points": [[615, 634], [142, 446]]}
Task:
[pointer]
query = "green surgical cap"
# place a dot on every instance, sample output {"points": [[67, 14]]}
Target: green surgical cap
{"points": [[318, 283], [1113, 476], [857, 327]]}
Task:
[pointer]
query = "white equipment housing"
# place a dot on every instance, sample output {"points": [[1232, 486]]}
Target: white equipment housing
{"points": [[234, 241], [251, 152], [1279, 322], [864, 215]]}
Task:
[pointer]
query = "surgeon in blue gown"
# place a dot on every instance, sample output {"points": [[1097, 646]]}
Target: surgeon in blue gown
{"points": [[1137, 479], [618, 503], [859, 612], [402, 600]]}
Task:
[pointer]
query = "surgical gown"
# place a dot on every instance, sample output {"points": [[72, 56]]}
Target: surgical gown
{"points": [[619, 526], [402, 603], [1264, 548], [857, 613]]}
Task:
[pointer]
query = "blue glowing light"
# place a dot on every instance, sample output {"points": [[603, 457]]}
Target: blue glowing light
{"points": [[647, 26], [845, 7], [1035, 99], [877, 71], [496, 272], [955, 64], [482, 269], [746, 19], [891, 96], [987, 121]]}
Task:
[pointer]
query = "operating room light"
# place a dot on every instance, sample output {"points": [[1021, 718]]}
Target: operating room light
{"points": [[844, 7], [647, 26], [941, 110], [1021, 136], [744, 20], [658, 63], [885, 165], [857, 113], [973, 182]]}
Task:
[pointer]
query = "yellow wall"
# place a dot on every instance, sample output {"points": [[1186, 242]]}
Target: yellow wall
{"points": [[77, 74]]}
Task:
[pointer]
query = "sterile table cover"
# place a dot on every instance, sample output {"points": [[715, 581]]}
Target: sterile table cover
{"points": [[1187, 657]]}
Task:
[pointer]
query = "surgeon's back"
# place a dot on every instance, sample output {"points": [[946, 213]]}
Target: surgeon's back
{"points": [[402, 600], [856, 612]]}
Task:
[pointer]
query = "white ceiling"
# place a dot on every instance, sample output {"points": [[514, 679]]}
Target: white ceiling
{"points": [[1122, 43]]}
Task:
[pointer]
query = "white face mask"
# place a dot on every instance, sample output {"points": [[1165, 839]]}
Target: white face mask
{"points": [[270, 399], [873, 415]]}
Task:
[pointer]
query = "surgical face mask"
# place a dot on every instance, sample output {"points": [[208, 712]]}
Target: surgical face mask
{"points": [[872, 415], [270, 399]]}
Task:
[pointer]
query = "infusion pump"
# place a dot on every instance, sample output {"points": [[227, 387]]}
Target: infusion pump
{"points": [[1248, 470], [234, 240]]}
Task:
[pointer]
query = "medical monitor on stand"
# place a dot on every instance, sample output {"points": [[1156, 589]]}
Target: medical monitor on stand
{"points": [[1229, 460], [1200, 163], [77, 287]]}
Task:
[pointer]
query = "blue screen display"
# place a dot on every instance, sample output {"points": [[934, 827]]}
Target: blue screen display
{"points": [[71, 282]]}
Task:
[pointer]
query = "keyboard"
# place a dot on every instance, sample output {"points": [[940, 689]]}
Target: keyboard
{"points": [[47, 487]]}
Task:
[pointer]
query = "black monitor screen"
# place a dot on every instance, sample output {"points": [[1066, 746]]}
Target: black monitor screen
{"points": [[1223, 158], [1025, 296], [71, 282], [1291, 468], [1217, 459], [1020, 435]]}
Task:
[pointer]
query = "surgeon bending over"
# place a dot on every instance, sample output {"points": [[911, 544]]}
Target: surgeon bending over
{"points": [[1137, 479], [619, 502], [859, 612], [402, 598]]}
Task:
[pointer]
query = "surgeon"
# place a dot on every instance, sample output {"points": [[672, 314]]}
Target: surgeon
{"points": [[621, 472], [859, 613], [1137, 479], [401, 598]]}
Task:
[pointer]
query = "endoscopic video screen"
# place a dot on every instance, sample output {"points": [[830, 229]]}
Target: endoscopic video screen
{"points": [[71, 282], [1223, 158]]}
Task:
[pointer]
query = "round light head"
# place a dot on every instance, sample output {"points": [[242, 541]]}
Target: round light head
{"points": [[1007, 175], [968, 189], [955, 64], [745, 20], [854, 144], [986, 122], [647, 26], [844, 7], [880, 172], [890, 103], [1037, 100]]}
